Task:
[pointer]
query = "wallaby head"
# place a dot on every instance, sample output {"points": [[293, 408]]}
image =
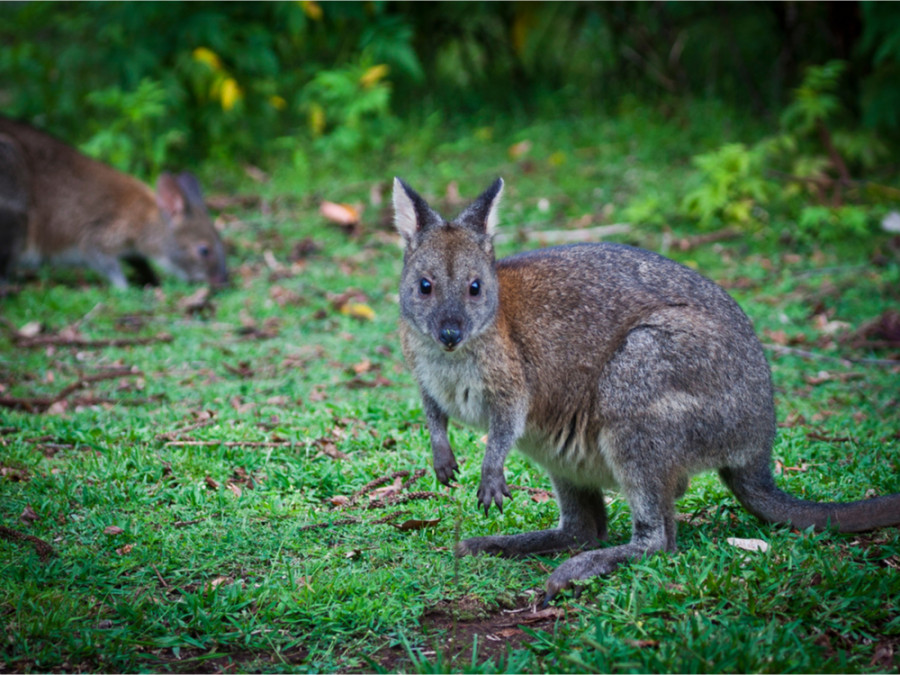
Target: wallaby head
{"points": [[448, 288], [193, 249]]}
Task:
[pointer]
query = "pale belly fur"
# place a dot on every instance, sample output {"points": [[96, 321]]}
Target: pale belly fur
{"points": [[457, 387]]}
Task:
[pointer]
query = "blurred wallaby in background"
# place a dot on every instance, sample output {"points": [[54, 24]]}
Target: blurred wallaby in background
{"points": [[58, 205], [608, 365]]}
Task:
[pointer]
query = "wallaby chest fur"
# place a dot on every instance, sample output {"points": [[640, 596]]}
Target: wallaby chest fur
{"points": [[80, 211], [606, 364]]}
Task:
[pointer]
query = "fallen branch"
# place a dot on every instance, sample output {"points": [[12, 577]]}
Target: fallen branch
{"points": [[172, 435], [63, 341], [235, 444], [845, 360], [44, 550], [42, 403], [688, 243], [563, 236]]}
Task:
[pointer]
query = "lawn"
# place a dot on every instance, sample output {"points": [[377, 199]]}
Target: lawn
{"points": [[242, 481]]}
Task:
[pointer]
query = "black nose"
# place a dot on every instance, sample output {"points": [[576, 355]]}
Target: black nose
{"points": [[450, 337]]}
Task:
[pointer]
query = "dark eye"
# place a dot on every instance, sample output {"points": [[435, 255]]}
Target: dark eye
{"points": [[424, 287], [475, 287], [203, 250]]}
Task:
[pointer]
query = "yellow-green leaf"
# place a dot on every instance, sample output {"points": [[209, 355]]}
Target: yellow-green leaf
{"points": [[358, 310], [372, 76], [230, 93], [316, 119], [207, 56], [312, 9]]}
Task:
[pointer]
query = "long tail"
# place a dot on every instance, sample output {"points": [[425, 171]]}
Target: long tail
{"points": [[755, 488]]}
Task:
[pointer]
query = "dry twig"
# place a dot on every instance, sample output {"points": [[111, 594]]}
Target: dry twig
{"points": [[42, 403]]}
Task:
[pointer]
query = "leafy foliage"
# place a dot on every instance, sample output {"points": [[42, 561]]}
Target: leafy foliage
{"points": [[239, 78]]}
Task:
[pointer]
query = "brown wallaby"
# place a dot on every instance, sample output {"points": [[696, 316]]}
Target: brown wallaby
{"points": [[608, 365], [57, 204]]}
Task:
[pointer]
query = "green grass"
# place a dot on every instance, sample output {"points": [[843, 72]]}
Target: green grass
{"points": [[214, 565]]}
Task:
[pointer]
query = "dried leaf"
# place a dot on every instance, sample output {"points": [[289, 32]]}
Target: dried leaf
{"points": [[387, 490], [541, 496], [748, 544], [233, 488], [28, 515], [339, 500], [342, 214], [363, 366], [30, 329], [124, 550], [239, 406], [58, 408], [327, 447], [196, 302], [113, 530], [218, 581], [284, 296], [520, 149], [508, 632], [211, 483]]}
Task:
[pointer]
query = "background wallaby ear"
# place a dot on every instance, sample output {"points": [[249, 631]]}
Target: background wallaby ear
{"points": [[190, 188], [169, 196], [411, 213], [481, 215]]}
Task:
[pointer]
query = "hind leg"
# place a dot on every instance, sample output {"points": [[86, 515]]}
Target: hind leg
{"points": [[582, 524], [652, 503]]}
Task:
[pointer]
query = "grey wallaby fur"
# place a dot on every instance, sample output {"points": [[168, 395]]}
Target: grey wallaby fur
{"points": [[58, 205], [609, 366]]}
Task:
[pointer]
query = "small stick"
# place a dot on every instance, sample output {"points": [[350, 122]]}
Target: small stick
{"points": [[39, 404], [846, 360], [170, 435], [56, 340], [160, 576], [234, 444]]}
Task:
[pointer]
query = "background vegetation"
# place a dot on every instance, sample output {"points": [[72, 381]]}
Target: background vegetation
{"points": [[180, 477]]}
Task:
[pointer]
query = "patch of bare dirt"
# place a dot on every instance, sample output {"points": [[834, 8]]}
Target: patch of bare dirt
{"points": [[452, 627]]}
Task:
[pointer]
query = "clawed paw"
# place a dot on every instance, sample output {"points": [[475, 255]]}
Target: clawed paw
{"points": [[492, 490], [446, 472], [558, 583]]}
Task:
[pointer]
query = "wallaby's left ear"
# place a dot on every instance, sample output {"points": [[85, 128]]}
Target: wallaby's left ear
{"points": [[481, 215], [169, 196]]}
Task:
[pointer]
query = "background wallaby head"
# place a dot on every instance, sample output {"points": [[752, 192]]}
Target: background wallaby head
{"points": [[448, 288], [193, 250]]}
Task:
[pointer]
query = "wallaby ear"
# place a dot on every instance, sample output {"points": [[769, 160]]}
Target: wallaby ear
{"points": [[481, 215], [168, 195], [190, 188], [411, 213]]}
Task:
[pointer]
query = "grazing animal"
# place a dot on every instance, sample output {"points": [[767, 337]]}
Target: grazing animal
{"points": [[608, 365], [59, 205]]}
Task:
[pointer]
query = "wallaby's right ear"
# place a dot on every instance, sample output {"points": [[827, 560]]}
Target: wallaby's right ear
{"points": [[411, 213]]}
